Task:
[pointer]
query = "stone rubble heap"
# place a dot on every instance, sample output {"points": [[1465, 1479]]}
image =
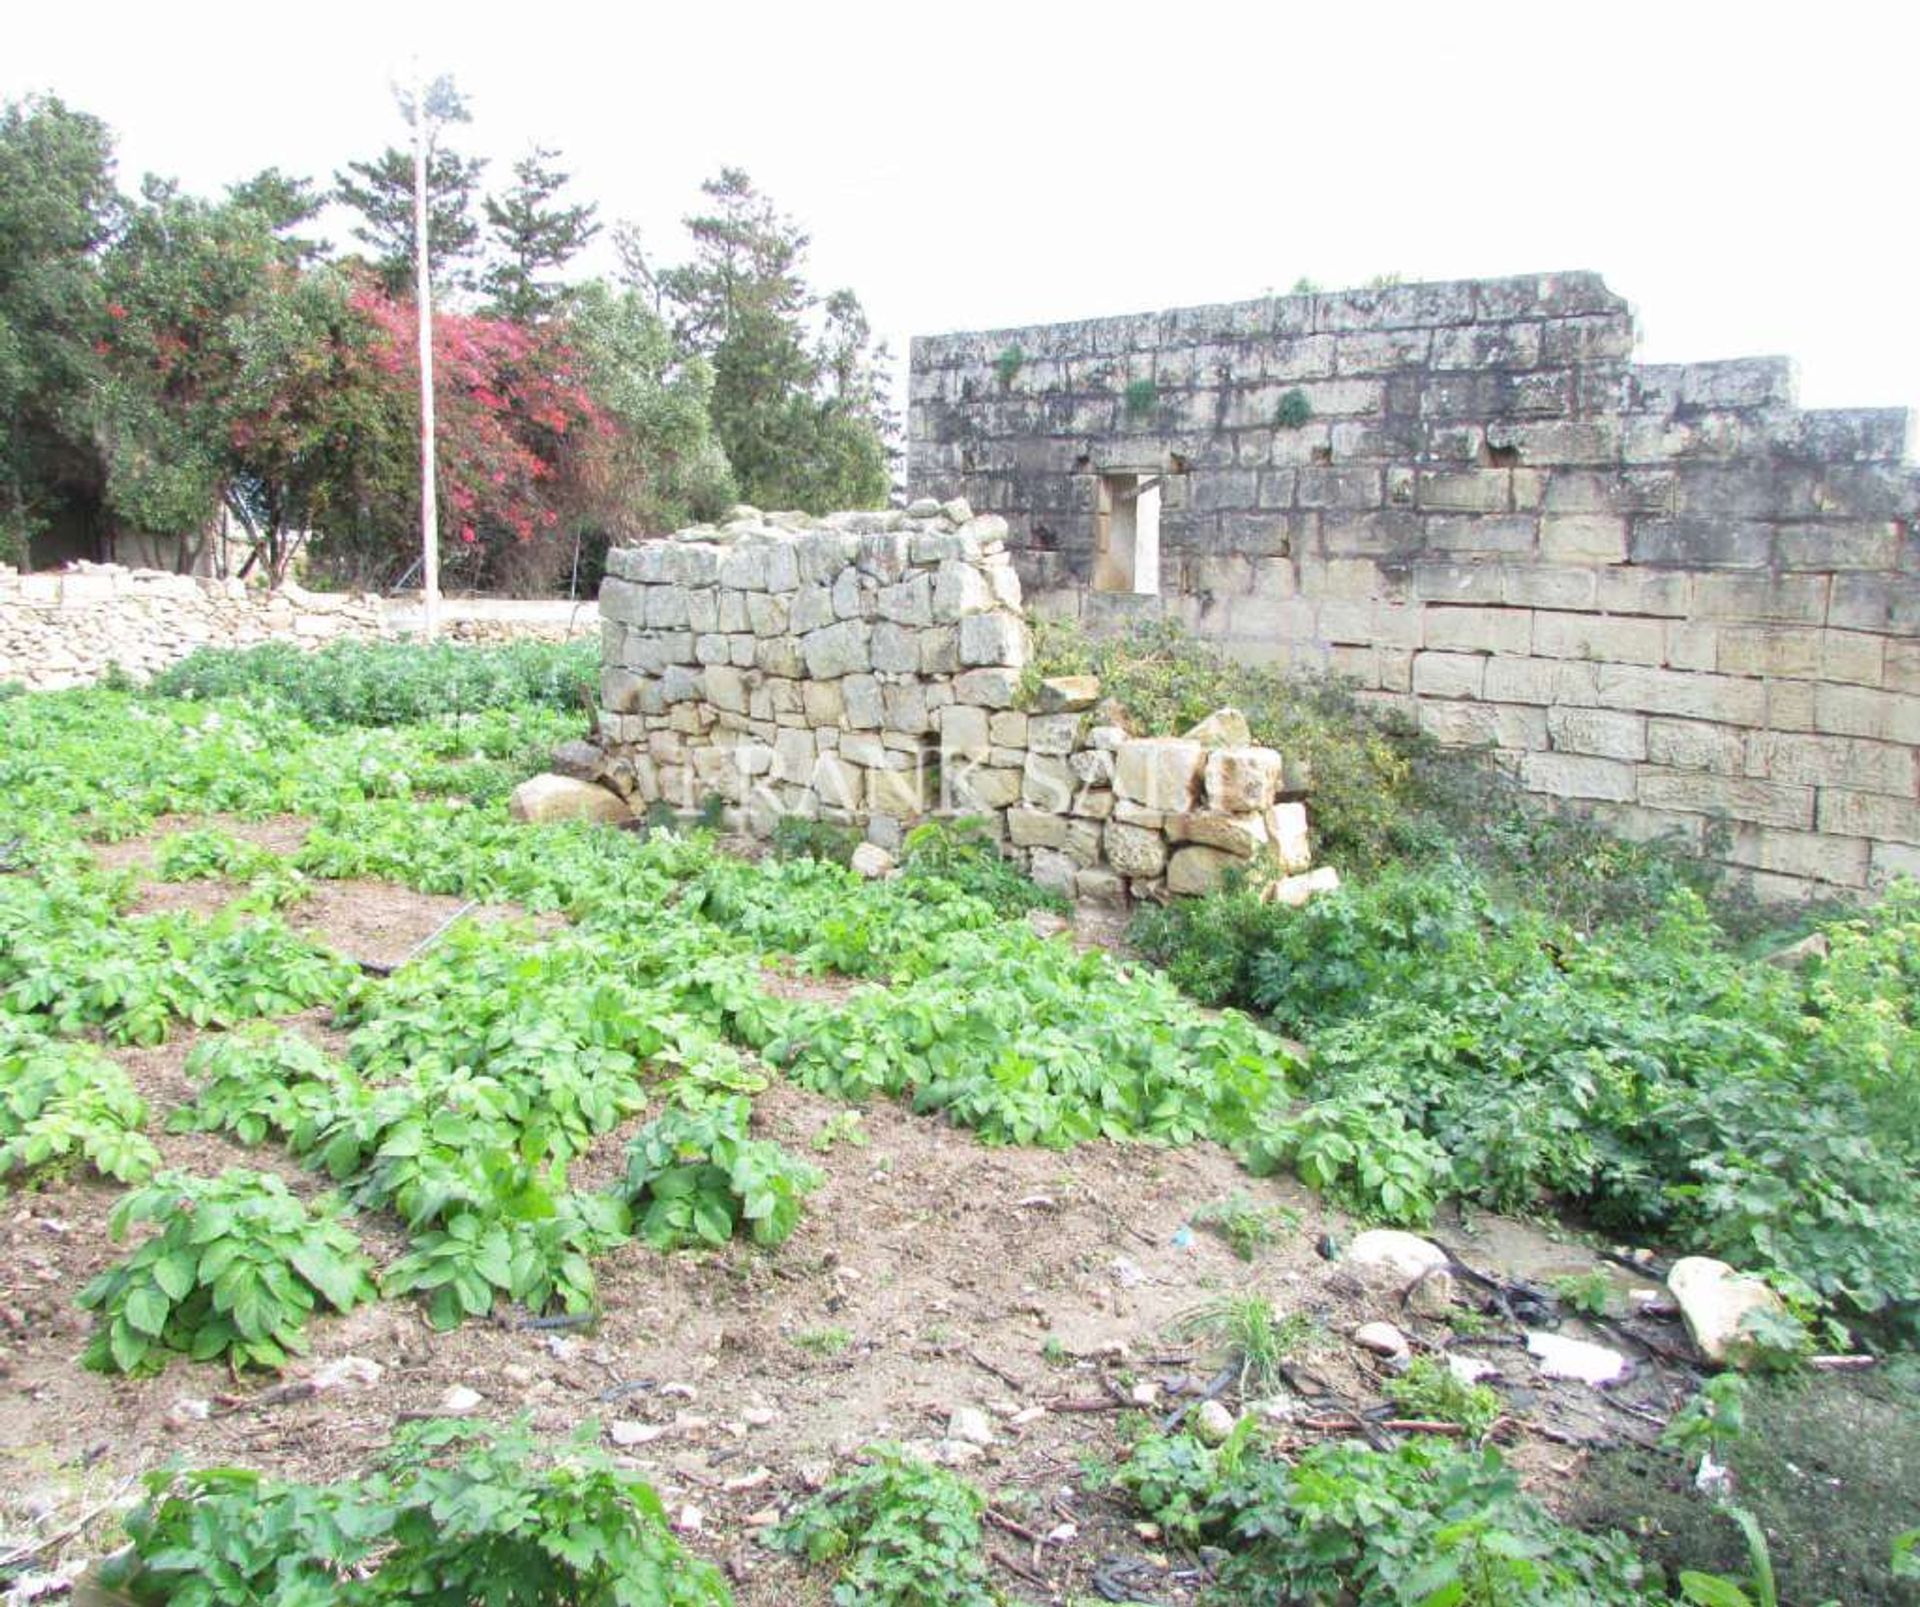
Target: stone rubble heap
{"points": [[870, 669]]}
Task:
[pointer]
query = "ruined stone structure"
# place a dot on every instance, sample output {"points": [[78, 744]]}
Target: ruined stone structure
{"points": [[1662, 591], [867, 669]]}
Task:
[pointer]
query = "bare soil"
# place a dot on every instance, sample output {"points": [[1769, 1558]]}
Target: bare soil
{"points": [[930, 1273]]}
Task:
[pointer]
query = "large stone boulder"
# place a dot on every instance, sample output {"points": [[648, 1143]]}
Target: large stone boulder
{"points": [[1224, 728], [1715, 1301], [549, 797], [1159, 772]]}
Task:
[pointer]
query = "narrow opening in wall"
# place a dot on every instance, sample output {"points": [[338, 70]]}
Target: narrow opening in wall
{"points": [[1500, 457], [1126, 527]]}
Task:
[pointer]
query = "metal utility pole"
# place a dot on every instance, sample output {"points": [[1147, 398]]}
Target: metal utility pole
{"points": [[423, 295]]}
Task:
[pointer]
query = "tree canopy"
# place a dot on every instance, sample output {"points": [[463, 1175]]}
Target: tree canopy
{"points": [[170, 364]]}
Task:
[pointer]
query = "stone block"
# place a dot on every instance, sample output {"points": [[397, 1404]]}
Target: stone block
{"points": [[1224, 728], [981, 787], [1844, 812], [1765, 803], [1834, 761], [726, 688], [905, 709], [1160, 773], [1093, 803], [1296, 891], [1008, 728], [1539, 680], [1067, 694], [541, 799], [1288, 835], [1858, 711], [865, 708], [839, 784], [1816, 856], [1134, 851], [1242, 836], [1036, 828], [1696, 745], [1241, 779], [1763, 599], [1566, 775], [1602, 733], [811, 609], [1096, 886], [1478, 630], [839, 649], [794, 753], [988, 688], [993, 639], [1046, 782], [1449, 674], [1646, 591], [895, 649], [1549, 586], [939, 650], [1590, 538], [964, 731], [823, 702], [1475, 725], [1731, 700], [1053, 733], [1603, 638], [1438, 581], [909, 602], [1194, 870], [900, 793]]}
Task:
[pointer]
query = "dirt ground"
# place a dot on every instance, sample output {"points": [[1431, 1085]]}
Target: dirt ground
{"points": [[930, 1274]]}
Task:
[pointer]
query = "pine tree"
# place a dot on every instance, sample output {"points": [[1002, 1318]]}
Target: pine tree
{"points": [[533, 237], [381, 191], [787, 411]]}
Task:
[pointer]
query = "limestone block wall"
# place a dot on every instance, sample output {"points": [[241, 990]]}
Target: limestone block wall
{"points": [[867, 668], [1663, 592], [69, 627]]}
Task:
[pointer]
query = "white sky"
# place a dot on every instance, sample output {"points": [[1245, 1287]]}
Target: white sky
{"points": [[1744, 174]]}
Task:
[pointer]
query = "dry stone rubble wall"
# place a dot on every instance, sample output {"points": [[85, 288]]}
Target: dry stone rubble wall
{"points": [[868, 668]]}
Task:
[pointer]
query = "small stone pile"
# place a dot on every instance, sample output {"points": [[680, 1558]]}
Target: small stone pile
{"points": [[871, 669]]}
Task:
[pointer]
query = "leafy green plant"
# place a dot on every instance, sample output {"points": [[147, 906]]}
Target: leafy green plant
{"points": [[800, 837], [1140, 398], [900, 1532], [1257, 1341], [200, 855], [695, 1177], [1590, 1292], [259, 1081], [1008, 363], [1429, 1389], [844, 1127], [1248, 1226], [1294, 410], [1712, 1421], [455, 1511], [823, 1341], [1422, 1523], [236, 1268], [962, 855], [1359, 1150], [66, 1102]]}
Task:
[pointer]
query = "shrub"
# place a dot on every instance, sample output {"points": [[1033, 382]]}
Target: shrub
{"points": [[696, 1178]]}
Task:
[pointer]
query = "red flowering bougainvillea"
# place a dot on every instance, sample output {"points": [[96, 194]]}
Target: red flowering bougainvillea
{"points": [[518, 434]]}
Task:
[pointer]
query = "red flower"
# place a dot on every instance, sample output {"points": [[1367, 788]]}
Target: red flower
{"points": [[115, 310], [467, 535]]}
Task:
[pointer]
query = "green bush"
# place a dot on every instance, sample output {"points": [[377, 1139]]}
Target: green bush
{"points": [[66, 1102]]}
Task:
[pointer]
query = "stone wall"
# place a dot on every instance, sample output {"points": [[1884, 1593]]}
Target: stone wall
{"points": [[1664, 592], [868, 669], [68, 627]]}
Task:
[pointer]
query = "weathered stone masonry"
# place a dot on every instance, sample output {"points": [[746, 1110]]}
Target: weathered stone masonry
{"points": [[1662, 591], [867, 668]]}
